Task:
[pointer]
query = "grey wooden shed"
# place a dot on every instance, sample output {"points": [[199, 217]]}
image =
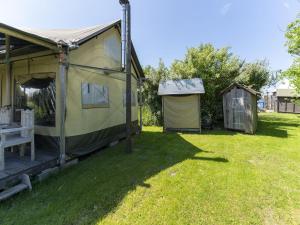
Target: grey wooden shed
{"points": [[240, 108]]}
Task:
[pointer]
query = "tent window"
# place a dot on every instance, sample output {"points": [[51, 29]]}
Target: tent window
{"points": [[112, 48], [94, 96], [133, 98], [40, 95]]}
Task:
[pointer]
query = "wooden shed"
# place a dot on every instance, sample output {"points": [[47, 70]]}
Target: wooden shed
{"points": [[181, 104], [286, 101], [240, 108]]}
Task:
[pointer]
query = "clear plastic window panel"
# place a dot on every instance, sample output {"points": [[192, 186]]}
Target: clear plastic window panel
{"points": [[39, 95], [94, 95]]}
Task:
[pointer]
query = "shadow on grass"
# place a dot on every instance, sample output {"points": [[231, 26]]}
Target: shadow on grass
{"points": [[268, 125], [216, 159], [275, 126], [88, 192], [273, 129]]}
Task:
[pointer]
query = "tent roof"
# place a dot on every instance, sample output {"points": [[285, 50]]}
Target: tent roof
{"points": [[71, 36], [287, 93], [181, 87], [250, 90], [67, 37], [63, 36]]}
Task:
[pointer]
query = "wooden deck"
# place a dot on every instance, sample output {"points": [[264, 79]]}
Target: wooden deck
{"points": [[16, 166]]}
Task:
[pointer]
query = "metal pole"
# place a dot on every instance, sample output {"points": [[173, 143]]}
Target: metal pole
{"points": [[62, 78], [128, 78]]}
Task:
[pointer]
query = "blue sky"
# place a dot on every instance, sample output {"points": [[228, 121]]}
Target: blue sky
{"points": [[254, 29]]}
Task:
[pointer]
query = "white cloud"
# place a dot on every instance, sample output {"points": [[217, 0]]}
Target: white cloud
{"points": [[225, 9]]}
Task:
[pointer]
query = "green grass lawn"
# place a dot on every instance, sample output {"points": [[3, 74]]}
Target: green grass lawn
{"points": [[218, 177]]}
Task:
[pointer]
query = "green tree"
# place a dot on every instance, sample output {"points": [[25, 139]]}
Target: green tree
{"points": [[293, 44], [218, 68], [152, 102], [255, 75]]}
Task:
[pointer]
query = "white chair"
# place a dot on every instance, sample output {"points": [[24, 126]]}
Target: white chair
{"points": [[27, 121], [5, 116], [18, 136]]}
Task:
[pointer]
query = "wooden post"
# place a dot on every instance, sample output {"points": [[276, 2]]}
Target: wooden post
{"points": [[128, 78], [294, 107], [163, 113], [62, 79], [12, 93], [2, 159], [141, 104], [200, 122], [1, 90], [8, 71], [32, 150], [285, 105]]}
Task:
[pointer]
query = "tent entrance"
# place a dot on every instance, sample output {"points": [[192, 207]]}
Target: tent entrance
{"points": [[37, 92], [17, 50]]}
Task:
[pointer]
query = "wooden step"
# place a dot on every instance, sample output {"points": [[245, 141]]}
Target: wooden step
{"points": [[25, 184], [12, 191]]}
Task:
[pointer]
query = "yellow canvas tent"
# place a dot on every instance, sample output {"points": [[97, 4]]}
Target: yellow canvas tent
{"points": [[181, 104], [74, 80]]}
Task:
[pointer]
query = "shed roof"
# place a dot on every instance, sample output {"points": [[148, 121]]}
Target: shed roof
{"points": [[287, 93], [250, 90], [181, 87]]}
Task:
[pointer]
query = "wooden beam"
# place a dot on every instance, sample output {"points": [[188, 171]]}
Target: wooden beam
{"points": [[27, 37]]}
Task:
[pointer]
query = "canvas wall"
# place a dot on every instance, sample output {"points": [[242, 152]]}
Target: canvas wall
{"points": [[181, 112]]}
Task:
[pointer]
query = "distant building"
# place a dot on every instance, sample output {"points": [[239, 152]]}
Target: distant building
{"points": [[261, 104], [285, 101]]}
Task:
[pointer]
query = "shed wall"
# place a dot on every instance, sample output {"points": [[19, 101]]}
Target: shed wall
{"points": [[240, 110], [181, 112]]}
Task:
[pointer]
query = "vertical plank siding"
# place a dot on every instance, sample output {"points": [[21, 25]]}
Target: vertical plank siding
{"points": [[240, 110]]}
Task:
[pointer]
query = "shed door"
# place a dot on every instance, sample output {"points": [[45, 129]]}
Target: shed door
{"points": [[238, 110], [181, 112]]}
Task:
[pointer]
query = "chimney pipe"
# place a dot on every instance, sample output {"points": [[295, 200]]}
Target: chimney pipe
{"points": [[127, 60]]}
